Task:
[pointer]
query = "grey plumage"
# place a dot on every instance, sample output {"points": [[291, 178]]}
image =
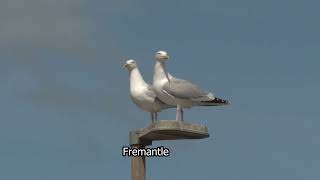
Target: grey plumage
{"points": [[178, 92], [184, 89]]}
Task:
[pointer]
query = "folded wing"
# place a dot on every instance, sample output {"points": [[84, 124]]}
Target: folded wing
{"points": [[183, 89]]}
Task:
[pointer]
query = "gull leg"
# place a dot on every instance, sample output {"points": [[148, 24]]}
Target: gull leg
{"points": [[152, 117], [156, 116], [179, 115]]}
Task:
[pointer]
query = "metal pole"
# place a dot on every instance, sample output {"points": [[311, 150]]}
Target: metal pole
{"points": [[138, 165]]}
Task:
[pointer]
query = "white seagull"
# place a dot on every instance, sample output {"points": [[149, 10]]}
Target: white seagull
{"points": [[142, 94], [178, 92]]}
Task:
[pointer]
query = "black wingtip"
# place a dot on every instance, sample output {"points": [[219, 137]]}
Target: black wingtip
{"points": [[217, 101]]}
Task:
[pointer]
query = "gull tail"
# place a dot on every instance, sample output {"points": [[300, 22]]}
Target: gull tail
{"points": [[215, 102]]}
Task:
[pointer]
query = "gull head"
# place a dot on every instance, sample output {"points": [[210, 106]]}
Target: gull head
{"points": [[130, 64], [162, 56]]}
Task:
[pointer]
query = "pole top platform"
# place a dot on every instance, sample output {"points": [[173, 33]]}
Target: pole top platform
{"points": [[168, 130]]}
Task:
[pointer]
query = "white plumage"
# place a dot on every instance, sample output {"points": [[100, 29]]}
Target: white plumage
{"points": [[142, 94]]}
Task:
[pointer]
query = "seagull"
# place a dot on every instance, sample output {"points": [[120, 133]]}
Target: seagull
{"points": [[178, 92], [142, 94]]}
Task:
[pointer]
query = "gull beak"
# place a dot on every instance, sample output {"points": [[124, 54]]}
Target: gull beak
{"points": [[166, 57], [125, 65]]}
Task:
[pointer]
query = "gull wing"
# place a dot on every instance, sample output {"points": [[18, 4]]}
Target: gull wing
{"points": [[151, 93], [183, 89]]}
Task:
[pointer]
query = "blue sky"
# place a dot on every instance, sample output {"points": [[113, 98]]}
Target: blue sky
{"points": [[66, 111]]}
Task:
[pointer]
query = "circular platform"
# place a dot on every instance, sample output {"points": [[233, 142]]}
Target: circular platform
{"points": [[168, 130]]}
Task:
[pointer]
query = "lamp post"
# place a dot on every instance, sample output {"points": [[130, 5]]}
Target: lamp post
{"points": [[161, 130]]}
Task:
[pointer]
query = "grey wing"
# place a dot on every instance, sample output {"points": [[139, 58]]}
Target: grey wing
{"points": [[183, 89], [151, 93]]}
